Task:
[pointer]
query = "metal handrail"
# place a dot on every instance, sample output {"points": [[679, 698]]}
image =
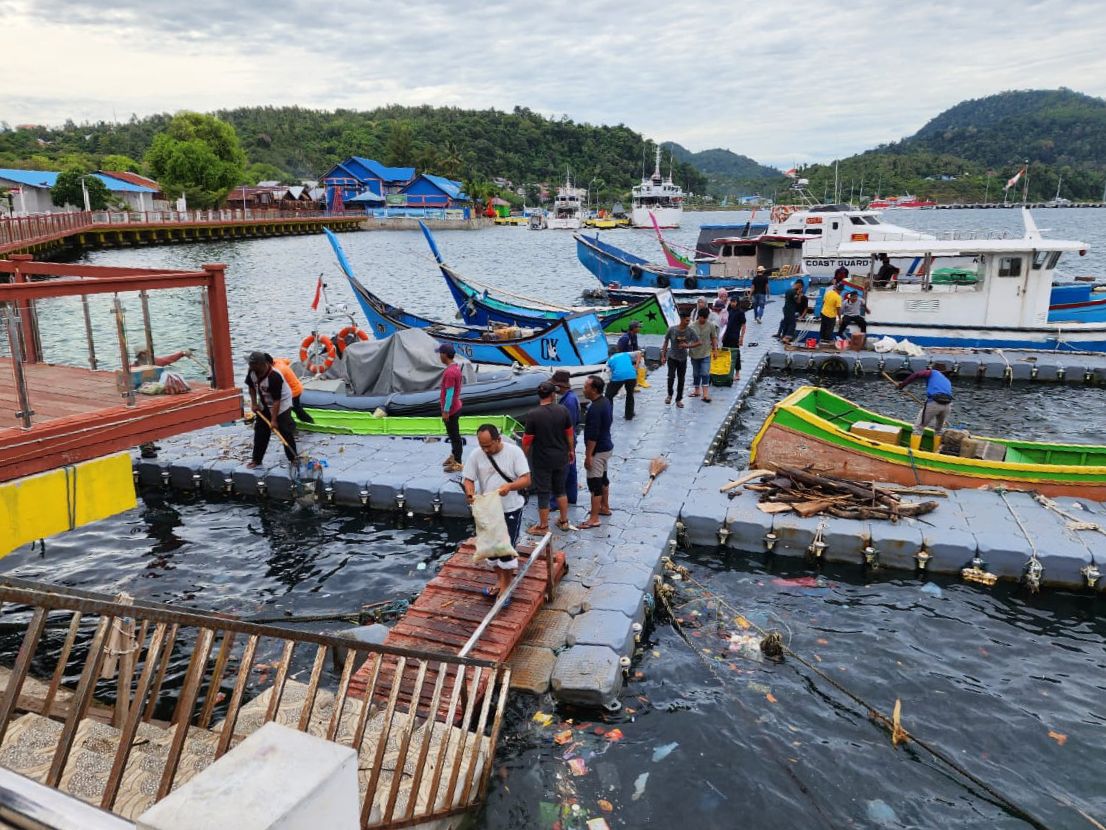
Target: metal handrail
{"points": [[28, 805], [506, 595]]}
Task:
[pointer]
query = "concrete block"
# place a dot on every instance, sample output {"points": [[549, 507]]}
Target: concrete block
{"points": [[871, 363], [999, 541], [1074, 369], [422, 491], [182, 472], [587, 676], [531, 669], [215, 475], [794, 534], [703, 514], [1021, 370], [748, 526], [612, 629], [279, 484], [799, 361], [713, 477], [278, 778], [569, 598], [1048, 369], [915, 364], [947, 537], [246, 480], [896, 543], [968, 367], [384, 487], [634, 575], [777, 360], [616, 597], [349, 485], [1061, 551], [548, 629], [647, 556]]}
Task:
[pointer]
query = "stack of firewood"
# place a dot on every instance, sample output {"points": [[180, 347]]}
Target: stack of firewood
{"points": [[787, 489]]}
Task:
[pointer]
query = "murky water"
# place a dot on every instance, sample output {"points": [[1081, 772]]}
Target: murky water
{"points": [[1010, 685]]}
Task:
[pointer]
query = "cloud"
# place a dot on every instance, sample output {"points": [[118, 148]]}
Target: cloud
{"points": [[782, 84]]}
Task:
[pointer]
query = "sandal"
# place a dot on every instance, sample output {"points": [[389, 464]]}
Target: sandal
{"points": [[680, 404], [537, 530], [694, 394], [605, 513], [494, 595], [589, 525], [706, 399], [565, 525], [668, 400]]}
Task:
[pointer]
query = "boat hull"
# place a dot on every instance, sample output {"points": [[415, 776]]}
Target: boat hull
{"points": [[569, 224], [782, 446], [667, 217], [614, 267], [1062, 337]]}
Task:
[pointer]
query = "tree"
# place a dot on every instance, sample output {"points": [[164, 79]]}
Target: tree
{"points": [[198, 156], [259, 172], [400, 148], [120, 163], [67, 190]]}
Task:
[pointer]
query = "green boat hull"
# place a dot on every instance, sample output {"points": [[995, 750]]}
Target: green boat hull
{"points": [[349, 422]]}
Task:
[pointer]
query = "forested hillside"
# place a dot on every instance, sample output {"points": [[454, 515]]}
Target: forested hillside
{"points": [[968, 152], [291, 143], [728, 173]]}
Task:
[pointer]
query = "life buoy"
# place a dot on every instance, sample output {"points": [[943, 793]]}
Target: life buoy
{"points": [[635, 272], [352, 331], [663, 281], [690, 282], [308, 353]]}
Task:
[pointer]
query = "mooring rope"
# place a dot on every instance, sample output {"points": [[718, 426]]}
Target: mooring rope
{"points": [[888, 723]]}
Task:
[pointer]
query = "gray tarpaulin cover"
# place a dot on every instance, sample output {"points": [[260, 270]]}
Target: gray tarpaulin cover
{"points": [[405, 362]]}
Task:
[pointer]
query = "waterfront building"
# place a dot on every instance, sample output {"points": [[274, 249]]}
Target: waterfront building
{"points": [[30, 191]]}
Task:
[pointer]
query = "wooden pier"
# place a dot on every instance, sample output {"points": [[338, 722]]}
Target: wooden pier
{"points": [[443, 618]]}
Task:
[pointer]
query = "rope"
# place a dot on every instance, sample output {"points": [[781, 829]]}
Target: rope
{"points": [[888, 723]]}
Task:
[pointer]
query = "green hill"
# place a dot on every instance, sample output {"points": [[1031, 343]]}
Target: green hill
{"points": [[728, 173], [968, 152], [292, 143]]}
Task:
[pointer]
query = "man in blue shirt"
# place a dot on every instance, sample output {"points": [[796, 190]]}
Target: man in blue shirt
{"points": [[937, 407], [563, 381], [597, 450], [623, 366], [628, 341]]}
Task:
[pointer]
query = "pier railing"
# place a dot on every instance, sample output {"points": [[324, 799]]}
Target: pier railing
{"points": [[180, 688]]}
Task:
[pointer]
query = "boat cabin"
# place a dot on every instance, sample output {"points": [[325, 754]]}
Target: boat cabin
{"points": [[991, 283]]}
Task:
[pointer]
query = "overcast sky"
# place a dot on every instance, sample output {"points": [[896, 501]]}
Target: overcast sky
{"points": [[781, 82]]}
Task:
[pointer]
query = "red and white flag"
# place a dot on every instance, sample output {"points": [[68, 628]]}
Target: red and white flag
{"points": [[792, 173], [318, 294], [1014, 180]]}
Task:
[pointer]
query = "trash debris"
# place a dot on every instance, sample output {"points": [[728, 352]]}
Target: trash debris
{"points": [[562, 738], [663, 751], [599, 823], [578, 767], [880, 812], [1059, 737], [898, 734], [542, 719], [811, 495], [933, 589], [745, 645], [771, 698], [772, 645], [605, 805], [639, 786], [614, 735]]}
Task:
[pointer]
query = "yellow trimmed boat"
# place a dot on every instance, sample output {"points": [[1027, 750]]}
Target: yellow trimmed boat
{"points": [[812, 427]]}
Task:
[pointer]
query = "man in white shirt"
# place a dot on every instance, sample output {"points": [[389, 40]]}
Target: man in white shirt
{"points": [[501, 466]]}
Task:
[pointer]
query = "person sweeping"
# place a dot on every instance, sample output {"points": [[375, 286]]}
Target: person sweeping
{"points": [[271, 402]]}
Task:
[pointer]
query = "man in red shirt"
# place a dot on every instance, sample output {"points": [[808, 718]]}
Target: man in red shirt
{"points": [[450, 400]]}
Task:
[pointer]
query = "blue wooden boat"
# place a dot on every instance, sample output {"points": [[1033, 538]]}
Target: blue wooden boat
{"points": [[619, 269], [573, 340], [1076, 303]]}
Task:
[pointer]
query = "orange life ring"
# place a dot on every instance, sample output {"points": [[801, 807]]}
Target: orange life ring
{"points": [[360, 334], [305, 355]]}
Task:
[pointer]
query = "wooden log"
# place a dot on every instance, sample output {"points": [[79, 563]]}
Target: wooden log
{"points": [[837, 485], [741, 479]]}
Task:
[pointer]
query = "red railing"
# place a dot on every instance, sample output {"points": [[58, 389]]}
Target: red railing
{"points": [[45, 227]]}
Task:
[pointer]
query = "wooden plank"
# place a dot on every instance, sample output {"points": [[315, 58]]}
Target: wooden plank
{"points": [[442, 618]]}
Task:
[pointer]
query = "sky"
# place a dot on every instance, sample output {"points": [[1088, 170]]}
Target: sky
{"points": [[784, 83]]}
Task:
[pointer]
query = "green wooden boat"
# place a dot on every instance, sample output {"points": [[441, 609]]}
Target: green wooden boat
{"points": [[812, 427], [353, 422]]}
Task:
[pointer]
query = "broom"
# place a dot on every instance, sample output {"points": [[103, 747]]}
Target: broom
{"points": [[657, 466]]}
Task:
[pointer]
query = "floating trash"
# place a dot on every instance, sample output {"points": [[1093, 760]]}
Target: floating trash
{"points": [[933, 589], [880, 812], [639, 786], [663, 751], [542, 718]]}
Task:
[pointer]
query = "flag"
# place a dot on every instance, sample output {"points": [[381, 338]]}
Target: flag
{"points": [[318, 294], [1014, 180]]}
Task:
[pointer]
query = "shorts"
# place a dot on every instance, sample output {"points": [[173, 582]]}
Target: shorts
{"points": [[597, 483], [503, 563], [548, 481], [599, 462]]}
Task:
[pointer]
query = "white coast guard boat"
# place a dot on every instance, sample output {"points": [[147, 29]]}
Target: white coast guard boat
{"points": [[660, 196]]}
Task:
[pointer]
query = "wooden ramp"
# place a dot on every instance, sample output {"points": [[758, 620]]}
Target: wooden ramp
{"points": [[442, 619]]}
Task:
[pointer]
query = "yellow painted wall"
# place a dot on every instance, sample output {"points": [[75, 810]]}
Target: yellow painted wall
{"points": [[43, 505]]}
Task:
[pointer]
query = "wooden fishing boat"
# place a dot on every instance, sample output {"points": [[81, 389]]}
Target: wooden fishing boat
{"points": [[816, 428], [573, 340], [480, 304]]}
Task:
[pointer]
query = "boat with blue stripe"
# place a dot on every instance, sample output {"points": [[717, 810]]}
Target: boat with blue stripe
{"points": [[572, 340]]}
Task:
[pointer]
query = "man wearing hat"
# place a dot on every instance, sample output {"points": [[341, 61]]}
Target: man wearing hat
{"points": [[450, 402], [937, 407], [760, 292], [628, 341], [562, 380], [271, 402]]}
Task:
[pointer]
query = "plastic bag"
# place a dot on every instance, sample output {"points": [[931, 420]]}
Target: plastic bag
{"points": [[174, 384], [642, 377], [885, 344], [909, 349], [492, 539]]}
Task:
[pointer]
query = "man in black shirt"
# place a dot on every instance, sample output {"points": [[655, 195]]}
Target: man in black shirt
{"points": [[760, 292], [549, 440]]}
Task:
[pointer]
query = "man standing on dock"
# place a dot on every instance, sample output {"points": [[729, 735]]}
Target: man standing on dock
{"points": [[794, 306], [760, 293], [563, 381], [598, 447], [628, 341], [831, 310], [937, 406], [549, 439], [450, 402], [706, 333], [677, 340], [271, 402]]}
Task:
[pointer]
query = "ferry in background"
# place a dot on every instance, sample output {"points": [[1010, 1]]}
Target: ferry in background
{"points": [[906, 201], [568, 208], [658, 196]]}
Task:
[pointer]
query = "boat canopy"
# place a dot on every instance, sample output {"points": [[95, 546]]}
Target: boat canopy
{"points": [[958, 247]]}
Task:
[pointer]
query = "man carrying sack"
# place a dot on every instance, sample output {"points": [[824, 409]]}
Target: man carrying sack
{"points": [[500, 472]]}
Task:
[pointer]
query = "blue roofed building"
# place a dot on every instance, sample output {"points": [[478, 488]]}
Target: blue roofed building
{"points": [[356, 175], [31, 191], [387, 192], [429, 191]]}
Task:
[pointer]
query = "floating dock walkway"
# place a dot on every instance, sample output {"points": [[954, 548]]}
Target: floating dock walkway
{"points": [[580, 645]]}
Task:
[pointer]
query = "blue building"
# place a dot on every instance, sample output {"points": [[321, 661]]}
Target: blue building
{"points": [[386, 192], [357, 175], [428, 191]]}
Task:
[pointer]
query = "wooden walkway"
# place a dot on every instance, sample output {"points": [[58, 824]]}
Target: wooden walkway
{"points": [[445, 615], [80, 414]]}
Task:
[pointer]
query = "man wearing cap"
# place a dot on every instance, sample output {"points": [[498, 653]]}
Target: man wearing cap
{"points": [[548, 439], [937, 407], [760, 292], [450, 403], [563, 381], [271, 402], [628, 341]]}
